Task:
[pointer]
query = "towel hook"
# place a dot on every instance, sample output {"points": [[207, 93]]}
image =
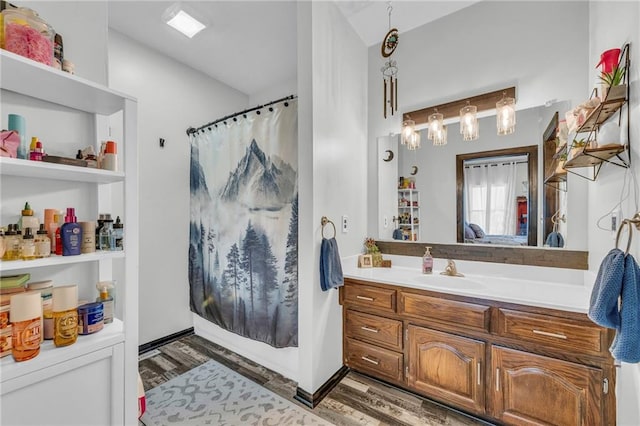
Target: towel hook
{"points": [[629, 225], [323, 222]]}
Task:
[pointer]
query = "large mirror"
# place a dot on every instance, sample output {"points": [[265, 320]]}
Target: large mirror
{"points": [[426, 194]]}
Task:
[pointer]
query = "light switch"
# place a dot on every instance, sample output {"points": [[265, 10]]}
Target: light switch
{"points": [[345, 224], [385, 222]]}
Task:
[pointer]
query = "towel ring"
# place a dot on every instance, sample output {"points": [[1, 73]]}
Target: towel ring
{"points": [[323, 222], [629, 225]]}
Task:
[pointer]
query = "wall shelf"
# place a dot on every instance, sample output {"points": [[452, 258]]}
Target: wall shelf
{"points": [[617, 97]]}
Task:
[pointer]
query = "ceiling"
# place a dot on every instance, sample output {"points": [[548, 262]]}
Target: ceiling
{"points": [[251, 45]]}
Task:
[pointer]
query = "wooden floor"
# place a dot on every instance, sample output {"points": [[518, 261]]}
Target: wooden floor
{"points": [[356, 400]]}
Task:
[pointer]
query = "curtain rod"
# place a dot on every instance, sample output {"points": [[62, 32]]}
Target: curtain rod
{"points": [[192, 130]]}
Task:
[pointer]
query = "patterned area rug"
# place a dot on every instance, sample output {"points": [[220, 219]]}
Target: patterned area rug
{"points": [[212, 394]]}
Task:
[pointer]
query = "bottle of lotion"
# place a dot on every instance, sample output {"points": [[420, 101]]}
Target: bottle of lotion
{"points": [[427, 262], [71, 234]]}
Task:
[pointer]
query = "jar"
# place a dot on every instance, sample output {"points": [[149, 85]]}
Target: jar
{"points": [[90, 318], [28, 35]]}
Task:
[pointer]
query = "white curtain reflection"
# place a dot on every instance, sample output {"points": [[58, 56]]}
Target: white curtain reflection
{"points": [[490, 191]]}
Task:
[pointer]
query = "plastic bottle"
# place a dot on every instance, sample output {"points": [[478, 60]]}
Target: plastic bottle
{"points": [[118, 233], [25, 313], [56, 227], [35, 150], [65, 315], [427, 262], [105, 288], [43, 243], [107, 239], [109, 157], [28, 246], [3, 247], [71, 234]]}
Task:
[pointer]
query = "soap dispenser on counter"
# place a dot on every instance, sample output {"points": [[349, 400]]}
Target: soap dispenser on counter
{"points": [[427, 262]]}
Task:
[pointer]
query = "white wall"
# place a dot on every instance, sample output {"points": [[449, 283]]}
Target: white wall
{"points": [[611, 25], [171, 98], [332, 63], [487, 46], [83, 26]]}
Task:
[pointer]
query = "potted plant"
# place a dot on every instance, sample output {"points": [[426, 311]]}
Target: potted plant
{"points": [[612, 84], [577, 146], [372, 249]]}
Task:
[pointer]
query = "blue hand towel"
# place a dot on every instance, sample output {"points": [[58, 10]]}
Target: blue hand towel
{"points": [[330, 266], [555, 239], [619, 277], [603, 307]]}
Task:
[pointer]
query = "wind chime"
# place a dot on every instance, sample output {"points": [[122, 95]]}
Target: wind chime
{"points": [[390, 68]]}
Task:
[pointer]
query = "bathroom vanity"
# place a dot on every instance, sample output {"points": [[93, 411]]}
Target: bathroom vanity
{"points": [[481, 348]]}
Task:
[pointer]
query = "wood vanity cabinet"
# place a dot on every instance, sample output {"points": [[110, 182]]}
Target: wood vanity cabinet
{"points": [[503, 362]]}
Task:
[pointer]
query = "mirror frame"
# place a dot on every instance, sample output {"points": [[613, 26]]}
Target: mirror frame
{"points": [[532, 215], [531, 256]]}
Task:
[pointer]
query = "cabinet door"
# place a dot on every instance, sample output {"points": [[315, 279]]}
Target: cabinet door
{"points": [[447, 367], [537, 390]]}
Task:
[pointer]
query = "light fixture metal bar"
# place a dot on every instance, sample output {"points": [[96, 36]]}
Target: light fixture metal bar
{"points": [[484, 102]]}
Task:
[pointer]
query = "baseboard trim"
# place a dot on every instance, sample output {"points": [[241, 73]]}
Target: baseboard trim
{"points": [[312, 400], [163, 341]]}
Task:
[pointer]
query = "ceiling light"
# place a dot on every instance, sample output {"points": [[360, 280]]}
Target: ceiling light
{"points": [[414, 141], [469, 122], [408, 128], [440, 137], [436, 123], [176, 17], [506, 115]]}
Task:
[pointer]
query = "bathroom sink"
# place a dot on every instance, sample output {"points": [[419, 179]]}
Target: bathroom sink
{"points": [[444, 281]]}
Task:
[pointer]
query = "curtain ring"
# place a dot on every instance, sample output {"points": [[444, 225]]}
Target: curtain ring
{"points": [[323, 222], [629, 225]]}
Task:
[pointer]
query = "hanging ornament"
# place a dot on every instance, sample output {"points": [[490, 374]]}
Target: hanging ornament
{"points": [[390, 68]]}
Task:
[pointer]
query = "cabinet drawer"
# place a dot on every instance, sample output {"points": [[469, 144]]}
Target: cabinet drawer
{"points": [[552, 331], [371, 297], [444, 310], [374, 360], [374, 329]]}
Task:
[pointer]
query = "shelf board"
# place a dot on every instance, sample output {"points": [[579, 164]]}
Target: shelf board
{"points": [[53, 260], [50, 355], [407, 190], [594, 156], [557, 177], [408, 207], [408, 225], [31, 78], [44, 170], [601, 114]]}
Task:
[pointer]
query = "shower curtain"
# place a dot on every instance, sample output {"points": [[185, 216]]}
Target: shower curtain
{"points": [[243, 250]]}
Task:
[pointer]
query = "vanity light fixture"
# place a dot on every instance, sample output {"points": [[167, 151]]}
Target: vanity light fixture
{"points": [[414, 141], [176, 17], [436, 123], [440, 137], [469, 122], [506, 115], [408, 129]]}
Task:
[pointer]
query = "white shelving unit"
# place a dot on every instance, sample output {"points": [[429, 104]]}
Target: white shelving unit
{"points": [[409, 213], [93, 381]]}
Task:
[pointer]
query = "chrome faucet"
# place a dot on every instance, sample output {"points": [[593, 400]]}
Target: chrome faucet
{"points": [[451, 269]]}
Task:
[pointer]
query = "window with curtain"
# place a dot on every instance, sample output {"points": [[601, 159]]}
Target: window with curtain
{"points": [[491, 199]]}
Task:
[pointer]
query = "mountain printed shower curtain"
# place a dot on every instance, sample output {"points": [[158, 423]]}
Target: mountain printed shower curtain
{"points": [[243, 246]]}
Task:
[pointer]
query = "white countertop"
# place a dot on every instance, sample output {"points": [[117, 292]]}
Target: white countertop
{"points": [[555, 288]]}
